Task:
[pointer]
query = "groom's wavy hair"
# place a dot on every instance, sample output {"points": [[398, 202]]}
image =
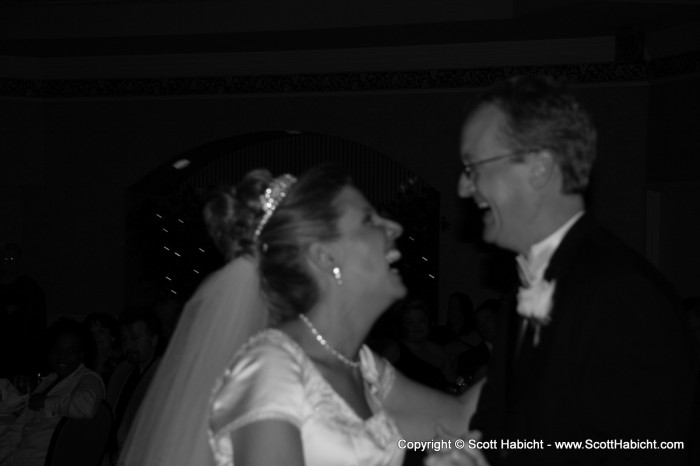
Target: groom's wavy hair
{"points": [[542, 114], [307, 214]]}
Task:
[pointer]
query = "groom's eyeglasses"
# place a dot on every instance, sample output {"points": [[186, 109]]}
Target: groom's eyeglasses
{"points": [[469, 168]]}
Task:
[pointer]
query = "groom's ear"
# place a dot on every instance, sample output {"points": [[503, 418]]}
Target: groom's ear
{"points": [[543, 168]]}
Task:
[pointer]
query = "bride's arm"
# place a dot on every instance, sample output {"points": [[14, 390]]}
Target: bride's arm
{"points": [[269, 442], [418, 409]]}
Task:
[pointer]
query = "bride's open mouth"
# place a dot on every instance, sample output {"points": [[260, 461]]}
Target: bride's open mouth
{"points": [[392, 257]]}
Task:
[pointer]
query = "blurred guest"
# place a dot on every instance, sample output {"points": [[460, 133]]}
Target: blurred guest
{"points": [[383, 337], [486, 319], [460, 317], [419, 358], [144, 346], [168, 309], [472, 363], [22, 315], [144, 340], [460, 334], [106, 335], [71, 390]]}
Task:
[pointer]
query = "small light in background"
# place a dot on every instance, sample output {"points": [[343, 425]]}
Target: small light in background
{"points": [[182, 163]]}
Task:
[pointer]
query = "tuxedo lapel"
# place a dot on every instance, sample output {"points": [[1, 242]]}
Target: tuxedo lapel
{"points": [[528, 358], [526, 351]]}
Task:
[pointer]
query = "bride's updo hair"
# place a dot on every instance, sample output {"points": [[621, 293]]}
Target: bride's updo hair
{"points": [[233, 212], [307, 214]]}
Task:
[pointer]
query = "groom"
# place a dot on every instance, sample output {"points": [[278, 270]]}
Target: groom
{"points": [[594, 350]]}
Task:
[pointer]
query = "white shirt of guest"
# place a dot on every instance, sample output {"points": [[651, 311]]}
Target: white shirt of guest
{"points": [[77, 396], [533, 266]]}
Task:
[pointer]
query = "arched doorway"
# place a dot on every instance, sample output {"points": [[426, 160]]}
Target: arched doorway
{"points": [[169, 253]]}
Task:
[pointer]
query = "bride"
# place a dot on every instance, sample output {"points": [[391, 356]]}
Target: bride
{"points": [[309, 386], [314, 255]]}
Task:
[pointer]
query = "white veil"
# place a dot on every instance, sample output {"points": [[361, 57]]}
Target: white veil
{"points": [[171, 427]]}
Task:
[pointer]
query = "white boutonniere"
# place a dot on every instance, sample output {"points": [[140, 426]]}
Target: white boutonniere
{"points": [[535, 304]]}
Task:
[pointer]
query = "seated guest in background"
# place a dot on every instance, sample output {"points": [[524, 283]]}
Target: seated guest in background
{"points": [[473, 363], [417, 357], [71, 390], [486, 320], [383, 337], [168, 309], [459, 335], [106, 334], [22, 315], [144, 345], [460, 319]]}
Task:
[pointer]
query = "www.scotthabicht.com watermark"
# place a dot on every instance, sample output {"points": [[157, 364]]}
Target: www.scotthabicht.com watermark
{"points": [[504, 444], [619, 445]]}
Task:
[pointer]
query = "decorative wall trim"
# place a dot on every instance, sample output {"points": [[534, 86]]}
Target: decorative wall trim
{"points": [[344, 82]]}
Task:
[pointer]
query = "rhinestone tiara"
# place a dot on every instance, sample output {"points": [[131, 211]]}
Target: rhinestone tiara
{"points": [[271, 198]]}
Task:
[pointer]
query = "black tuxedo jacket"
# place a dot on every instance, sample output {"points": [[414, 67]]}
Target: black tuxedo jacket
{"points": [[614, 365]]}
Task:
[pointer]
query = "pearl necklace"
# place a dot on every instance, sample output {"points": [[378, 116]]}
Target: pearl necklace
{"points": [[322, 341]]}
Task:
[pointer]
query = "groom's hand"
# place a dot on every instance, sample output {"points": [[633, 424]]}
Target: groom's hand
{"points": [[460, 454], [470, 400]]}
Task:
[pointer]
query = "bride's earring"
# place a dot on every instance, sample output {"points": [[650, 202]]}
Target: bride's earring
{"points": [[338, 276]]}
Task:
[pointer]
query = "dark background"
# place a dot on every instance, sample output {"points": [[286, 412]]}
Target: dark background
{"points": [[99, 98]]}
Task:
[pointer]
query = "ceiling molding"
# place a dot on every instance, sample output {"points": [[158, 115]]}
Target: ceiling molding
{"points": [[297, 62], [343, 82]]}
